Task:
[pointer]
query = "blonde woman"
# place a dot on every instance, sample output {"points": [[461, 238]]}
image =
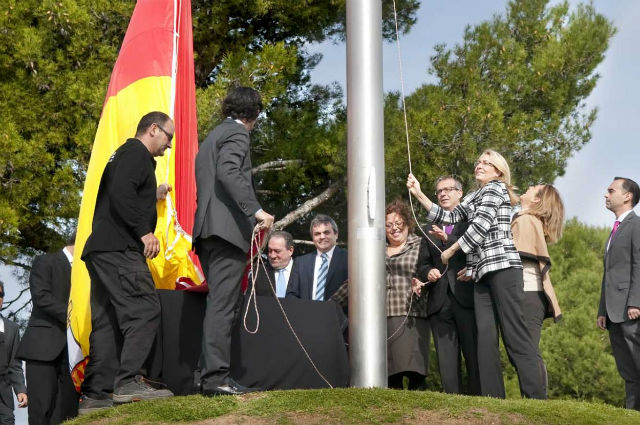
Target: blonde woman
{"points": [[494, 264], [536, 225]]}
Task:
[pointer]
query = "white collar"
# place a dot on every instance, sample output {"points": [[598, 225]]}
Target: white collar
{"points": [[68, 255], [329, 253]]}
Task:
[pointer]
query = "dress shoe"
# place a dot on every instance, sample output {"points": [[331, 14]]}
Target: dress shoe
{"points": [[230, 388]]}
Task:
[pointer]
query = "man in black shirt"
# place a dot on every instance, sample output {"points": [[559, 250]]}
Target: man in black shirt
{"points": [[124, 302]]}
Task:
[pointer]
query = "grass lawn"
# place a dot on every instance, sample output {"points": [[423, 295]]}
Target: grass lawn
{"points": [[359, 406]]}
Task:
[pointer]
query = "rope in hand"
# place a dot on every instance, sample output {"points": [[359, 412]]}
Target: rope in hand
{"points": [[406, 130], [256, 241]]}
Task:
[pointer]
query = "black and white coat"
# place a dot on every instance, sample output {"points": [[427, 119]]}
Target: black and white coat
{"points": [[487, 242]]}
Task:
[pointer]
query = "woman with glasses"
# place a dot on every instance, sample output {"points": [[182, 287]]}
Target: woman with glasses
{"points": [[407, 326], [538, 223], [495, 266]]}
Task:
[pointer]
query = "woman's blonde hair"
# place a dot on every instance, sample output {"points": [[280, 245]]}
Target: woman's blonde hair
{"points": [[550, 211], [502, 166]]}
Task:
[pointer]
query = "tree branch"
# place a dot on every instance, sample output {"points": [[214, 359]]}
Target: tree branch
{"points": [[279, 164], [308, 206], [15, 264]]}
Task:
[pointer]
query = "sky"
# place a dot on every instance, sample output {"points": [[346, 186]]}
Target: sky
{"points": [[611, 150]]}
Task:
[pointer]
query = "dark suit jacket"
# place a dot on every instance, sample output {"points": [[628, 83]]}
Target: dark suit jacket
{"points": [[301, 282], [49, 283], [10, 366], [262, 282], [126, 202], [462, 291], [226, 197], [621, 279]]}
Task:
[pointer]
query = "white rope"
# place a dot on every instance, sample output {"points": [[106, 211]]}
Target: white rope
{"points": [[255, 240], [406, 130]]}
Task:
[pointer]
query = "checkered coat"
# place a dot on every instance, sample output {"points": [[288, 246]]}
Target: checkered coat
{"points": [[487, 242], [401, 268]]}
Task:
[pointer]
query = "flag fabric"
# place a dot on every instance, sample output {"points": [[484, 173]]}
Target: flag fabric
{"points": [[154, 72]]}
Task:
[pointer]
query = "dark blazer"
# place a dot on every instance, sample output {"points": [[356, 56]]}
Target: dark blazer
{"points": [[49, 282], [262, 281], [10, 367], [301, 282], [462, 291], [621, 278], [226, 197], [126, 202]]}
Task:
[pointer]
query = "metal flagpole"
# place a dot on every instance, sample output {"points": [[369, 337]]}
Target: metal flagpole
{"points": [[365, 138]]}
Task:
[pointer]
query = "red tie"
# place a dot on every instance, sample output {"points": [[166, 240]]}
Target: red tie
{"points": [[615, 228]]}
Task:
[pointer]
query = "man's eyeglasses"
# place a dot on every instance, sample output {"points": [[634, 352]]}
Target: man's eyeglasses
{"points": [[483, 163], [169, 135], [397, 224], [1, 294], [445, 190]]}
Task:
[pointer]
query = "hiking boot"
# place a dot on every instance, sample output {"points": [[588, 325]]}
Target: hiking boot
{"points": [[88, 404], [140, 389]]}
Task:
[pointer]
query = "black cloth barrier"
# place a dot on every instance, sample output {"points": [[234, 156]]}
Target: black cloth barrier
{"points": [[269, 359]]}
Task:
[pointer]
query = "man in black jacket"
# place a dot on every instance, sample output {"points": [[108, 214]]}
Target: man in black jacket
{"points": [[450, 301], [123, 295], [52, 396], [225, 217]]}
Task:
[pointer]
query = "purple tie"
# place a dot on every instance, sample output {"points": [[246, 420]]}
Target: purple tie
{"points": [[615, 228], [448, 229]]}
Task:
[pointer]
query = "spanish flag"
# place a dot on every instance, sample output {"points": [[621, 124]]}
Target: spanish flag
{"points": [[154, 72]]}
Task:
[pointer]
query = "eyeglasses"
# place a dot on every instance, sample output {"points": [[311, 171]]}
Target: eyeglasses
{"points": [[398, 224], [1, 294], [169, 135], [484, 164], [445, 190]]}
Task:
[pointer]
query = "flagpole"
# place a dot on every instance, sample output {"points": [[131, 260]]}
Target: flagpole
{"points": [[366, 201]]}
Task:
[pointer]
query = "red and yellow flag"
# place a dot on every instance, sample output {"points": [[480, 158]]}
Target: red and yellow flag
{"points": [[154, 72]]}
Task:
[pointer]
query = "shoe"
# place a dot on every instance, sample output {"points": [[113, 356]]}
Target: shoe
{"points": [[88, 404], [230, 388], [140, 389]]}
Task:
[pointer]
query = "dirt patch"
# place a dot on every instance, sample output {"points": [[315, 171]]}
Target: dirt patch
{"points": [[469, 417]]}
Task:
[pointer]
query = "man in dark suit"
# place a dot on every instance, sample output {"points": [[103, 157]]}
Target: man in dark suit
{"points": [[52, 396], [320, 273], [450, 301], [124, 301], [279, 267], [10, 368], [619, 309], [227, 211]]}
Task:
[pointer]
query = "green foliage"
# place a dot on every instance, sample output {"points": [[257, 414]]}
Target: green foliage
{"points": [[516, 83]]}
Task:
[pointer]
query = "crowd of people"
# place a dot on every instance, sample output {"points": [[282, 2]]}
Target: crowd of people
{"points": [[477, 272]]}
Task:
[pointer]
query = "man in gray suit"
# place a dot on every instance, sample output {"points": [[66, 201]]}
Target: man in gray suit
{"points": [[227, 211], [11, 375], [619, 309]]}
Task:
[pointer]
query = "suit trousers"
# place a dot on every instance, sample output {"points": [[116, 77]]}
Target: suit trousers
{"points": [[454, 330], [223, 265], [124, 304], [497, 300], [625, 344], [52, 396], [534, 309], [6, 406]]}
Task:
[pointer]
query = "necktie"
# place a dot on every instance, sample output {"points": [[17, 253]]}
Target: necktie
{"points": [[615, 228], [448, 229], [281, 284], [322, 277]]}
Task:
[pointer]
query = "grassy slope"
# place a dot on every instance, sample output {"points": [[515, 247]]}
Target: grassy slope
{"points": [[360, 406]]}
